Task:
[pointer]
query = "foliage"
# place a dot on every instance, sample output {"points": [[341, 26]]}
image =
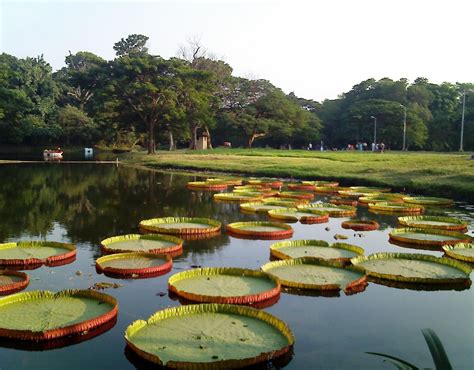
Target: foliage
{"points": [[149, 100]]}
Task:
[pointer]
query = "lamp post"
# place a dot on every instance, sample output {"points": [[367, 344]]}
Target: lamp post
{"points": [[375, 129], [404, 126], [462, 120]]}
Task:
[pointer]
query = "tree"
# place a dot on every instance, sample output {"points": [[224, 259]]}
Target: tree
{"points": [[28, 96], [132, 46], [146, 88], [77, 126]]}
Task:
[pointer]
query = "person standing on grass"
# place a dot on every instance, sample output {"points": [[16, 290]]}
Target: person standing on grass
{"points": [[373, 147], [382, 147]]}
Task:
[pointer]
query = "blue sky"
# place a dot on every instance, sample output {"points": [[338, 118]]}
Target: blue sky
{"points": [[318, 49]]}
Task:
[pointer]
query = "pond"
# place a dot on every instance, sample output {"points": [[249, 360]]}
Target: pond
{"points": [[86, 203]]}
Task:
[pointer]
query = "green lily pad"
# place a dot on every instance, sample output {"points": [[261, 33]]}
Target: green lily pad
{"points": [[209, 335], [433, 222], [461, 251], [316, 249], [224, 285], [151, 243], [314, 273], [42, 315], [413, 268], [181, 225]]}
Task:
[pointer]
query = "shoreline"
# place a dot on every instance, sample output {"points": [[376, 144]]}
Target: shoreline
{"points": [[448, 175]]}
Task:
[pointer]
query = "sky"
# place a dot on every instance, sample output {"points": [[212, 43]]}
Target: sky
{"points": [[317, 49]]}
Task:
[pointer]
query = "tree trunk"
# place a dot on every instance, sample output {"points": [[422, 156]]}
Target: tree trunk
{"points": [[151, 137], [250, 141], [193, 143], [209, 141], [172, 144]]}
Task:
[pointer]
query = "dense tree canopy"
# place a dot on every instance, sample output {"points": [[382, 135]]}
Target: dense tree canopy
{"points": [[140, 98]]}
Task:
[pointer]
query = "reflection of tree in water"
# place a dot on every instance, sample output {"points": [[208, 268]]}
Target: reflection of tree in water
{"points": [[92, 202]]}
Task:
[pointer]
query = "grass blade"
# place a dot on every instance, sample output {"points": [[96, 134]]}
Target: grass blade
{"points": [[398, 362], [438, 353]]}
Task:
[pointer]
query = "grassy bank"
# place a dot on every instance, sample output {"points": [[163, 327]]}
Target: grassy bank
{"points": [[437, 174]]}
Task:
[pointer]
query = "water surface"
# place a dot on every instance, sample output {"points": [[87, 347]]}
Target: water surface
{"points": [[85, 203]]}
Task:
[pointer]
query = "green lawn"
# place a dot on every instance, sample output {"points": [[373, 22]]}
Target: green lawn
{"points": [[437, 174]]}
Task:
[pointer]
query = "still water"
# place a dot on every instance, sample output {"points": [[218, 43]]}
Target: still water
{"points": [[85, 203]]}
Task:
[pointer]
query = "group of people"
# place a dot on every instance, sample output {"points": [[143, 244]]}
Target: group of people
{"points": [[376, 147]]}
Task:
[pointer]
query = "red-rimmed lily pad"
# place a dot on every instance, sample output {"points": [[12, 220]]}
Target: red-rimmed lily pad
{"points": [[344, 201], [260, 230], [148, 243], [395, 207], [264, 182], [296, 195], [413, 268], [264, 207], [36, 253], [333, 210], [360, 225], [321, 183], [301, 186], [209, 336], [310, 216], [461, 251], [429, 201], [204, 185], [238, 197], [43, 315], [136, 265], [316, 274], [224, 285], [433, 222], [341, 252], [12, 281], [381, 198], [181, 225], [430, 237]]}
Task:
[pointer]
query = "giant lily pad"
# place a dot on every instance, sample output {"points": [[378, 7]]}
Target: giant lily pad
{"points": [[36, 253], [260, 230], [12, 281], [355, 194], [205, 185], [341, 252], [413, 268], [181, 225], [296, 195], [430, 237], [429, 201], [317, 274], [209, 336], [224, 285], [381, 198], [264, 207], [333, 210], [309, 216], [321, 183], [238, 197], [270, 183], [395, 207], [328, 189], [461, 251], [301, 186], [134, 264], [433, 222], [360, 225], [343, 201], [150, 243], [43, 315]]}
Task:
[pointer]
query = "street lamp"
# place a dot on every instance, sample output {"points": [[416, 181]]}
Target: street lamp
{"points": [[404, 126], [375, 129], [462, 118]]}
